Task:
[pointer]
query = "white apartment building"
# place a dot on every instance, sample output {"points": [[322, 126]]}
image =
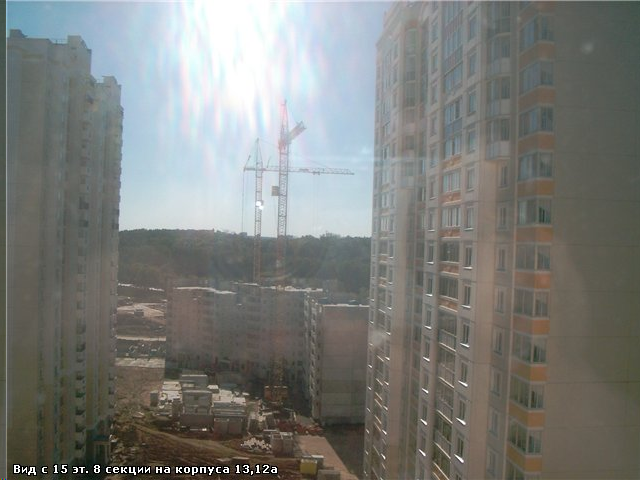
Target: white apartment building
{"points": [[64, 139], [503, 336], [336, 363]]}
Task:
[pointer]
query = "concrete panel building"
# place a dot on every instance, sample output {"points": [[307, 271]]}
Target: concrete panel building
{"points": [[337, 355], [64, 139], [503, 337], [244, 330]]}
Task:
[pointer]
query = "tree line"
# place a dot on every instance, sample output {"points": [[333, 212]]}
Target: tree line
{"points": [[149, 257]]}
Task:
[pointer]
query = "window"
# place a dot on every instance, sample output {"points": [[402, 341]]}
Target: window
{"points": [[449, 287], [429, 289], [536, 74], [499, 89], [434, 92], [502, 217], [500, 294], [496, 382], [451, 217], [498, 336], [526, 394], [466, 332], [464, 373], [539, 119], [466, 296], [431, 215], [494, 422], [449, 251], [491, 462], [462, 411], [451, 181], [530, 257], [528, 441], [528, 302], [424, 411], [470, 218], [499, 47], [431, 249], [460, 449], [434, 30], [471, 140], [538, 28], [501, 259], [428, 318], [434, 62], [472, 27], [472, 67], [453, 127], [498, 130], [471, 102], [468, 256], [535, 165], [514, 473], [529, 349], [503, 179], [453, 79], [471, 176], [433, 154], [534, 211], [427, 350], [432, 187]]}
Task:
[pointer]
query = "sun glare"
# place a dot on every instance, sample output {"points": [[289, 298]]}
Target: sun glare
{"points": [[233, 60]]}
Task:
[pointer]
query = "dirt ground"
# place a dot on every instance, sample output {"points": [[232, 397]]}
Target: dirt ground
{"points": [[141, 442]]}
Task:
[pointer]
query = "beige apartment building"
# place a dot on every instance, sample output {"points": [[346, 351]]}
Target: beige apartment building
{"points": [[504, 339], [202, 331], [244, 330], [64, 139], [336, 360]]}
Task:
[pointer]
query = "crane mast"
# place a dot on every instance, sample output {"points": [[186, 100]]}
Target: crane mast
{"points": [[257, 219], [283, 169], [286, 137]]}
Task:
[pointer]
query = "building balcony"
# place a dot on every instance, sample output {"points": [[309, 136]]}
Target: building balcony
{"points": [[447, 339], [444, 408], [442, 442], [446, 374], [437, 472]]}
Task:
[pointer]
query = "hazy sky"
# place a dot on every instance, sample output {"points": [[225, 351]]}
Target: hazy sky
{"points": [[202, 80]]}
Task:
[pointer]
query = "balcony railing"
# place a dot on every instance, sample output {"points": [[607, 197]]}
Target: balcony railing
{"points": [[447, 339], [442, 442], [444, 408], [445, 374]]}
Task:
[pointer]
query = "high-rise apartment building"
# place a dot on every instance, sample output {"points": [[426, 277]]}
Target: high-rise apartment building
{"points": [[504, 335], [64, 139], [336, 345]]}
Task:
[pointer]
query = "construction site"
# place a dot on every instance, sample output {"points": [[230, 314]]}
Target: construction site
{"points": [[237, 367]]}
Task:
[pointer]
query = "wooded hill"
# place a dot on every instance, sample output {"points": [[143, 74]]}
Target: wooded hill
{"points": [[149, 257]]}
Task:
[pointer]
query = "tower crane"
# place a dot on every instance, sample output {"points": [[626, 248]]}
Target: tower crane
{"points": [[283, 170], [276, 389]]}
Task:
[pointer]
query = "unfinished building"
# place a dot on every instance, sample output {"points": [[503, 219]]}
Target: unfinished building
{"points": [[336, 360]]}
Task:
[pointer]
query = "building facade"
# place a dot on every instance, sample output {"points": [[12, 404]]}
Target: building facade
{"points": [[503, 337], [336, 363], [245, 330], [64, 139]]}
